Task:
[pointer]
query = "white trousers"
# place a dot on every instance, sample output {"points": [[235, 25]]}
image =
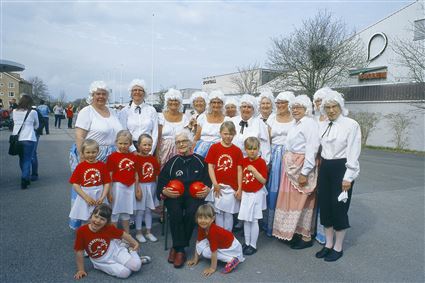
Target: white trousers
{"points": [[225, 255]]}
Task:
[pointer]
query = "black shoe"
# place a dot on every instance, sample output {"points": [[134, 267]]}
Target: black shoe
{"points": [[301, 244], [24, 184], [295, 239], [323, 252], [132, 224], [333, 255], [249, 251], [244, 246]]}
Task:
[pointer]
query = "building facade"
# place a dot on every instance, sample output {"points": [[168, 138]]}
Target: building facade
{"points": [[11, 87]]}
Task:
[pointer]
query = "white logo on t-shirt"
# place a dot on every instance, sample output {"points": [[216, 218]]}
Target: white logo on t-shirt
{"points": [[126, 164], [147, 170], [247, 176], [224, 162], [91, 177]]}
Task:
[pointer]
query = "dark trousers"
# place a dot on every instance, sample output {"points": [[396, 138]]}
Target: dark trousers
{"points": [[58, 121], [333, 213], [181, 214], [70, 123], [46, 125]]}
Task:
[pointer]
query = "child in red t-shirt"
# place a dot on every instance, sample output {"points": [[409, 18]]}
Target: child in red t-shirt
{"points": [[122, 165], [101, 242], [253, 193], [224, 167], [148, 170], [90, 180], [215, 243]]}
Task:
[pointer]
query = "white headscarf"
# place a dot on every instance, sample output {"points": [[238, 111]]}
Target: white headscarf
{"points": [[173, 94], [215, 94], [137, 82], [249, 99], [94, 86], [285, 96], [199, 94], [269, 95], [320, 93], [334, 96], [304, 101]]}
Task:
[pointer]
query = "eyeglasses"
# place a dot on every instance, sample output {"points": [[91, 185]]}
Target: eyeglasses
{"points": [[297, 107], [182, 142]]}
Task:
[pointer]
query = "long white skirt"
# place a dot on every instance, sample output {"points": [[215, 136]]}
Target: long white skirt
{"points": [[81, 210], [113, 261], [149, 199], [123, 198], [252, 205], [225, 255], [226, 202]]}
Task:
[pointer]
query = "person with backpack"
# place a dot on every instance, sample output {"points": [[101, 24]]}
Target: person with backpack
{"points": [[38, 133], [44, 110]]}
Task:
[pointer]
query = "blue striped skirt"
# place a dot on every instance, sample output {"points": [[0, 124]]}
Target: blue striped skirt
{"points": [[272, 186], [74, 159]]}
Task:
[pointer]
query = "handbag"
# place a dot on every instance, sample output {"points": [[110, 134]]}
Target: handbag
{"points": [[14, 144]]}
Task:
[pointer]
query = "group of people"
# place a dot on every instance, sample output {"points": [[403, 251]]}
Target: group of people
{"points": [[271, 155]]}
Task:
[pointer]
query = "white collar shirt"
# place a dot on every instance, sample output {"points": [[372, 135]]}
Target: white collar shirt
{"points": [[342, 140], [303, 138]]}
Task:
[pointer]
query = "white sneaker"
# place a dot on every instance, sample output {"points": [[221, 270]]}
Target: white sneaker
{"points": [[151, 237], [140, 238], [145, 259]]}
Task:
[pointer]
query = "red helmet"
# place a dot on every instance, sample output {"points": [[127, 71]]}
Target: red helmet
{"points": [[177, 186], [196, 187]]}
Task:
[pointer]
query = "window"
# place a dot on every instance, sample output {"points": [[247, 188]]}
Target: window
{"points": [[11, 94], [1, 84], [11, 85], [1, 93], [419, 30]]}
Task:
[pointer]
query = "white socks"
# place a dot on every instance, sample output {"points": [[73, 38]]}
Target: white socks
{"points": [[224, 220], [251, 232], [148, 218]]}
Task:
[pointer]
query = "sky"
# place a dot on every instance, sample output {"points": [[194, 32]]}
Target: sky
{"points": [[69, 44]]}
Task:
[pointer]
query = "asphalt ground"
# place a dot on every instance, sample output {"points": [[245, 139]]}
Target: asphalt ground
{"points": [[384, 244]]}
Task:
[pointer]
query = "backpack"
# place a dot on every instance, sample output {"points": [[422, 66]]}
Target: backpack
{"points": [[39, 130]]}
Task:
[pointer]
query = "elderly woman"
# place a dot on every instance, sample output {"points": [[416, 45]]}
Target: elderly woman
{"points": [[339, 167], [249, 125], [25, 122], [297, 197], [139, 117], [188, 168], [208, 129], [319, 116], [267, 106], [279, 125], [231, 107], [95, 121], [171, 122], [198, 101]]}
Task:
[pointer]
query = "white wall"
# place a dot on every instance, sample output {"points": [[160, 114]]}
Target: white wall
{"points": [[383, 134]]}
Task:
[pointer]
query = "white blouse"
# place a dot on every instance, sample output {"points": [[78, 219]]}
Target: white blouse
{"points": [[170, 129], [256, 128], [28, 129], [342, 140], [278, 130], [303, 137], [210, 131], [101, 129], [143, 122]]}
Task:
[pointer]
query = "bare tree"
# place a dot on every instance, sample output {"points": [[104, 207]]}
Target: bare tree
{"points": [[318, 53], [400, 124], [246, 80], [411, 53], [367, 122], [62, 96], [39, 89]]}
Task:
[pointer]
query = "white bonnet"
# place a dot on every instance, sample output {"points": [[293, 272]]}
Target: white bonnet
{"points": [[137, 82], [267, 94], [199, 94], [320, 93], [285, 96], [173, 94], [94, 86], [334, 96], [216, 94], [251, 100], [231, 100], [304, 101]]}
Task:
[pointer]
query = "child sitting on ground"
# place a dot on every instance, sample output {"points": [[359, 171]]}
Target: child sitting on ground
{"points": [[215, 243], [100, 240]]}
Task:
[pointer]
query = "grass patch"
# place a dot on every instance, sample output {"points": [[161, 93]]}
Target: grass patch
{"points": [[398, 150]]}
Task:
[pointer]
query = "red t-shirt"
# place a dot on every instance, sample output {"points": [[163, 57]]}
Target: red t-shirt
{"points": [[147, 168], [90, 174], [249, 182], [219, 238], [123, 167], [226, 161], [96, 244]]}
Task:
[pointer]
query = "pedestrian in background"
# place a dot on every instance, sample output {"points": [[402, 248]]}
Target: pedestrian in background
{"points": [[58, 110], [44, 110], [69, 114]]}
